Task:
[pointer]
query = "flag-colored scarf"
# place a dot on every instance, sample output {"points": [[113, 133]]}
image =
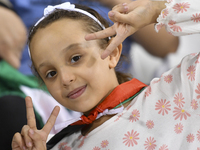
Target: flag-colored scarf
{"points": [[121, 93]]}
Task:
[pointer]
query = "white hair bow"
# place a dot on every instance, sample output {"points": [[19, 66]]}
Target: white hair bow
{"points": [[66, 6], [70, 7]]}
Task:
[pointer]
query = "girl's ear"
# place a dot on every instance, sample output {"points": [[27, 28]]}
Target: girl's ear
{"points": [[115, 56]]}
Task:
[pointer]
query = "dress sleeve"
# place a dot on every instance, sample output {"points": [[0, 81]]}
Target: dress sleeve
{"points": [[180, 17]]}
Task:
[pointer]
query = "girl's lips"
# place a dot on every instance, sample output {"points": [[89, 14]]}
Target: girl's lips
{"points": [[77, 92]]}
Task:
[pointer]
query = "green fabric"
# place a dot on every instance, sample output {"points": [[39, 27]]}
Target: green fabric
{"points": [[129, 99], [11, 80]]}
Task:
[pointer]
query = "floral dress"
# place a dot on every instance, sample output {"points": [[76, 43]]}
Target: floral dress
{"points": [[166, 115], [180, 17]]}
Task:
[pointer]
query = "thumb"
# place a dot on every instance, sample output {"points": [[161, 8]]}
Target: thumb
{"points": [[116, 16]]}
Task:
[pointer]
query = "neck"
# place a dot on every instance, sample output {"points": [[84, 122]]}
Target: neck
{"points": [[88, 112]]}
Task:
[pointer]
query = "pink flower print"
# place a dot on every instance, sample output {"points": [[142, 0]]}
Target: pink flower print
{"points": [[104, 143], [131, 138], [180, 113], [82, 142], [162, 106], [197, 61], [191, 74], [198, 148], [168, 78], [135, 115], [164, 147], [119, 116], [181, 7], [178, 128], [165, 12], [178, 100], [128, 107], [156, 81], [190, 138], [196, 17], [148, 91], [176, 28], [194, 104], [198, 91], [150, 143], [193, 54], [159, 26], [63, 146], [96, 148], [198, 135], [179, 65], [172, 22], [150, 124]]}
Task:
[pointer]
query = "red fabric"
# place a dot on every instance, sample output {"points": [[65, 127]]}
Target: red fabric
{"points": [[118, 95]]}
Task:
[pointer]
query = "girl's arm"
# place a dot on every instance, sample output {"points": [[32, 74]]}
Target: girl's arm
{"points": [[178, 17], [128, 18]]}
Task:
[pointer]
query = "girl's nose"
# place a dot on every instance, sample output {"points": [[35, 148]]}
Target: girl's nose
{"points": [[66, 78]]}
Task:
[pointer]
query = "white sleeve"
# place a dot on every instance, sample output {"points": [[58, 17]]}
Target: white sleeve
{"points": [[180, 17]]}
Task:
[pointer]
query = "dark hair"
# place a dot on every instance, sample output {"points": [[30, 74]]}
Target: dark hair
{"points": [[90, 26]]}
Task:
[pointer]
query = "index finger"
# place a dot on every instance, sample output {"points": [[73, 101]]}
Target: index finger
{"points": [[51, 121], [117, 40], [30, 115], [108, 32]]}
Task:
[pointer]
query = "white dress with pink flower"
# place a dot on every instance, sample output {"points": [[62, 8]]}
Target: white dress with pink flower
{"points": [[166, 115], [180, 17]]}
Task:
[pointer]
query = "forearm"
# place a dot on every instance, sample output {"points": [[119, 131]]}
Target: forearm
{"points": [[112, 3], [158, 44]]}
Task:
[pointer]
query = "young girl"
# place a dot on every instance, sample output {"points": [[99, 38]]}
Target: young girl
{"points": [[165, 115]]}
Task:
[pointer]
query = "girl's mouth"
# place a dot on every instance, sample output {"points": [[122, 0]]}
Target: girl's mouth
{"points": [[77, 92]]}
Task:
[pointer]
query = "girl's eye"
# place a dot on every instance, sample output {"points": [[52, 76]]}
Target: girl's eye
{"points": [[75, 59], [51, 74]]}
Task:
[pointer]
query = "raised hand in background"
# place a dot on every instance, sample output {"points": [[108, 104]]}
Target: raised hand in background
{"points": [[13, 36]]}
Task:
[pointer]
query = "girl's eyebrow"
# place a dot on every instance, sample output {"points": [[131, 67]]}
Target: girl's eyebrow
{"points": [[73, 46], [70, 47]]}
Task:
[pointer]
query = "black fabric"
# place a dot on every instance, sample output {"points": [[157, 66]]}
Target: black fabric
{"points": [[12, 119], [63, 133]]}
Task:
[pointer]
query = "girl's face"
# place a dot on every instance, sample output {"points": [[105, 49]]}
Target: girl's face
{"points": [[71, 67]]}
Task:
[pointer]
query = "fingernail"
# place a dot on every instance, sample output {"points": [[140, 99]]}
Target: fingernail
{"points": [[24, 148], [124, 4], [29, 144], [125, 8], [31, 131], [111, 13]]}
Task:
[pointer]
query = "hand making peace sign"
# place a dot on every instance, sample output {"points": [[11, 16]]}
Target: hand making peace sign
{"points": [[31, 138], [128, 18]]}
